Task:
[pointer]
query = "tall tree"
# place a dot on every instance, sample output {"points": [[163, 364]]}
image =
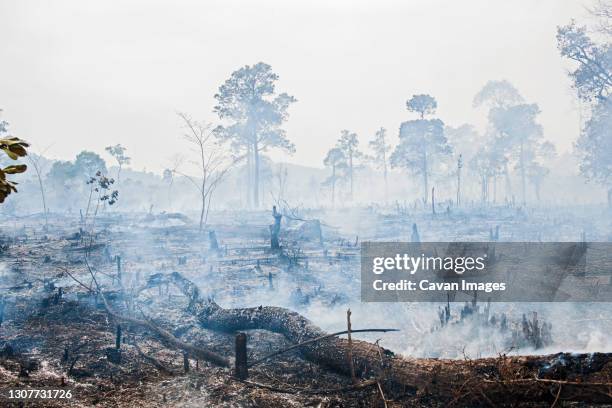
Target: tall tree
{"points": [[497, 94], [422, 141], [487, 164], [592, 79], [464, 140], [422, 104], [594, 146], [87, 164], [520, 134], [118, 153], [381, 149], [536, 174], [592, 75], [254, 113], [336, 160], [349, 144]]}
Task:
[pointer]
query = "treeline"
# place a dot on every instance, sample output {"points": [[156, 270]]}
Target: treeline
{"points": [[508, 162]]}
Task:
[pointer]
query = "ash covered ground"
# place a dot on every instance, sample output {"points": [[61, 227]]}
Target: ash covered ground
{"points": [[57, 332]]}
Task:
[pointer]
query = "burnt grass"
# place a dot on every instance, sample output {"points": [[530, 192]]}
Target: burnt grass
{"points": [[56, 333]]}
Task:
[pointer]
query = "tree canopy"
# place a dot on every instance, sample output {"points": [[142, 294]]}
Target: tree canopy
{"points": [[253, 113]]}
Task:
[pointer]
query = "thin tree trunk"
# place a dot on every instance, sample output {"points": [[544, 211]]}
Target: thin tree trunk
{"points": [[256, 182], [494, 188], [523, 176], [483, 190], [459, 166], [425, 181], [386, 182], [249, 176], [508, 182], [351, 170], [202, 210], [334, 186], [42, 190]]}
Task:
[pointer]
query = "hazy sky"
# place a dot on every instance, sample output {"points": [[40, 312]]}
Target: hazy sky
{"points": [[86, 74]]}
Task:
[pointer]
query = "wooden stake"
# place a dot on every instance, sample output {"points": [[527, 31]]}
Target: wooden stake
{"points": [[433, 200], [118, 268], [242, 372], [186, 362], [350, 347], [118, 338]]}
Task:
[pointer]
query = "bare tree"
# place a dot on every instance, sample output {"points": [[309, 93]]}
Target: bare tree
{"points": [[212, 160], [35, 161], [168, 175]]}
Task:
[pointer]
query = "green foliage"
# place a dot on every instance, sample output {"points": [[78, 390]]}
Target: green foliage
{"points": [[422, 104], [102, 185], [14, 148], [336, 160], [595, 145], [421, 142], [254, 114], [381, 147], [517, 124], [247, 100], [592, 76], [118, 152], [88, 164], [498, 94]]}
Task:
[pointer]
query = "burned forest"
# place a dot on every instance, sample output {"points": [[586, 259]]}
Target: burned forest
{"points": [[218, 205]]}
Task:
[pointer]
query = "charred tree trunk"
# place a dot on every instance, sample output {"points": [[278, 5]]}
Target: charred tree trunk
{"points": [[425, 181], [433, 200], [497, 380], [214, 244], [256, 181], [275, 229], [241, 370]]}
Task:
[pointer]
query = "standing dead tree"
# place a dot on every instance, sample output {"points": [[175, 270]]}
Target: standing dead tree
{"points": [[212, 162], [275, 229], [35, 160]]}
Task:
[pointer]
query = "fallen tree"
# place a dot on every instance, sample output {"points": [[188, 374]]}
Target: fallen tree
{"points": [[493, 381]]}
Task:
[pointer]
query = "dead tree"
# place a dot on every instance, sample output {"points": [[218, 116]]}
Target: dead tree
{"points": [[34, 159], [459, 167], [212, 161], [275, 229], [415, 234], [212, 237], [118, 337]]}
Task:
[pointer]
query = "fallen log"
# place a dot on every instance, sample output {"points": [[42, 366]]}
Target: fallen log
{"points": [[501, 380]]}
